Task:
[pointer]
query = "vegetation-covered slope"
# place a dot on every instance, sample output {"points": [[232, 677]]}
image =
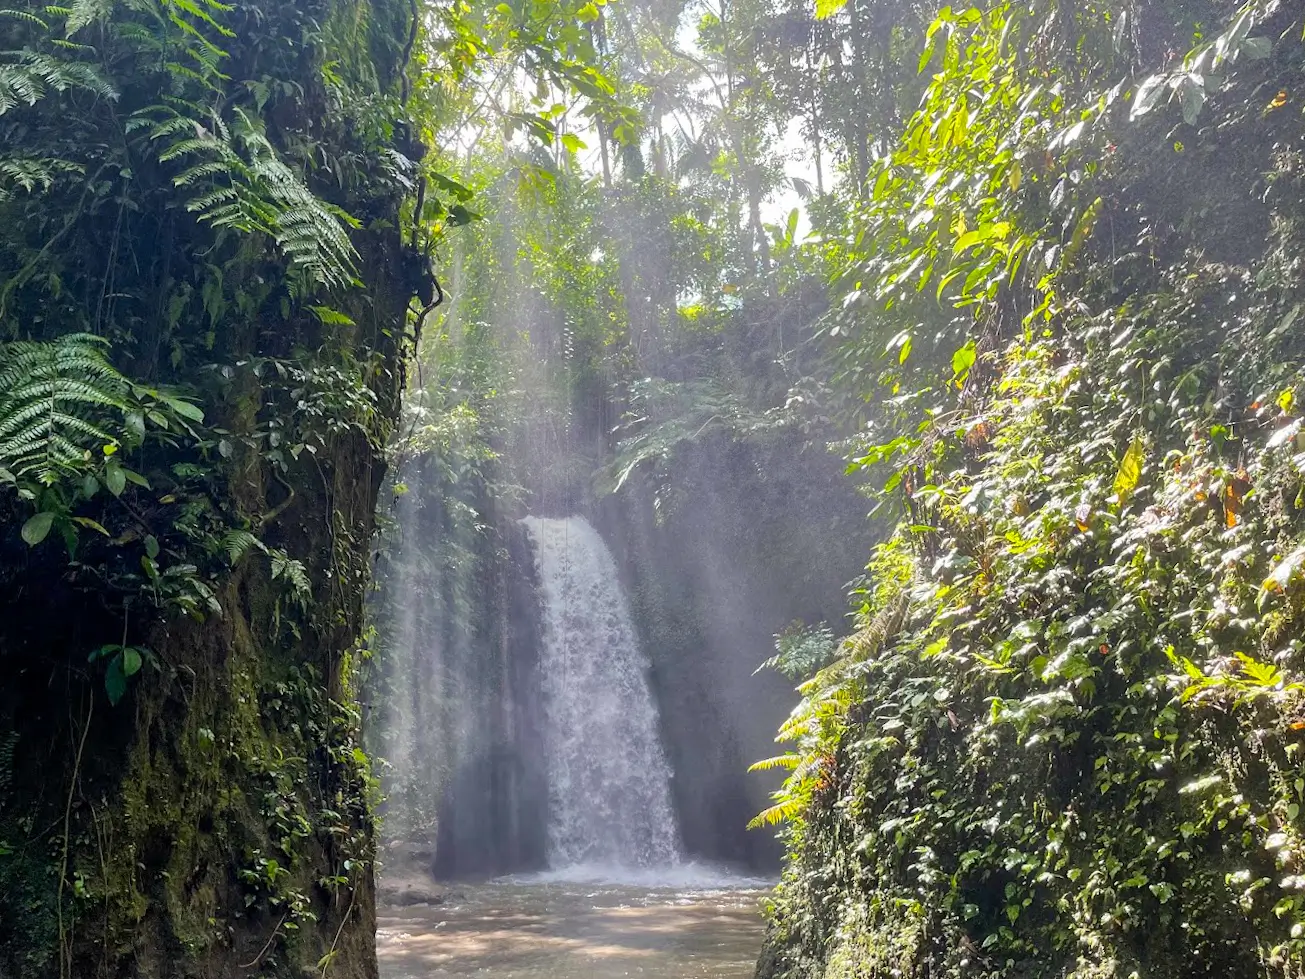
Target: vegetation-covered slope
{"points": [[1065, 738]]}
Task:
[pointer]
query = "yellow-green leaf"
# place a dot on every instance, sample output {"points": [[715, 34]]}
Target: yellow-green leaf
{"points": [[1130, 471], [779, 761], [1282, 575], [90, 524]]}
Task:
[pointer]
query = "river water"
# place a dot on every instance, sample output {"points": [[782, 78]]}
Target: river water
{"points": [[681, 924]]}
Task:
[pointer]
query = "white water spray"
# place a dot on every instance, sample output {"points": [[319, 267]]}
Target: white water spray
{"points": [[609, 781]]}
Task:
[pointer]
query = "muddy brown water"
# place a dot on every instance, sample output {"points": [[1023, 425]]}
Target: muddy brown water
{"points": [[693, 924]]}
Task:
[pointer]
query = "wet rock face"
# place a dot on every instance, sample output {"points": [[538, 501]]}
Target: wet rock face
{"points": [[489, 810], [715, 570], [459, 705]]}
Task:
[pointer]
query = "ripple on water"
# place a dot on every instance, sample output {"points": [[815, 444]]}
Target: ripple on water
{"points": [[686, 922]]}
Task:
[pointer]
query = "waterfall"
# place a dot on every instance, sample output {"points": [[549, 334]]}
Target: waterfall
{"points": [[608, 779]]}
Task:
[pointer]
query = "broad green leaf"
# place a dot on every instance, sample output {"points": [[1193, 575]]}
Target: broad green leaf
{"points": [[115, 480], [1191, 91], [115, 680], [130, 661], [1148, 95], [1257, 48], [37, 528], [963, 360], [103, 652], [968, 240]]}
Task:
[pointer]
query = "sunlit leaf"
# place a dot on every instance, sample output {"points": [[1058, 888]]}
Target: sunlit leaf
{"points": [[1130, 471]]}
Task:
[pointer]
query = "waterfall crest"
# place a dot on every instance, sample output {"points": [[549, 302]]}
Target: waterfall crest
{"points": [[608, 778]]}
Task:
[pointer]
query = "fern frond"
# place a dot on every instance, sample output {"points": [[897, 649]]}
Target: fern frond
{"points": [[789, 762], [54, 397], [240, 182], [238, 543], [202, 171], [32, 175], [871, 638], [781, 812], [83, 13], [178, 10], [293, 573], [24, 15], [26, 79], [175, 126]]}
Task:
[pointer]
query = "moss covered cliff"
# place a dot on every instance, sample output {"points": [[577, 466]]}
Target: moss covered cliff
{"points": [[203, 288]]}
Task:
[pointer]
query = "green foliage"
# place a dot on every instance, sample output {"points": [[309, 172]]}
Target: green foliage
{"points": [[67, 417], [801, 652], [27, 76], [176, 184], [53, 396], [238, 181], [1063, 740], [123, 663], [663, 416]]}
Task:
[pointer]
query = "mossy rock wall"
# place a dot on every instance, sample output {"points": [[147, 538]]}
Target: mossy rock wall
{"points": [[220, 817], [217, 821]]}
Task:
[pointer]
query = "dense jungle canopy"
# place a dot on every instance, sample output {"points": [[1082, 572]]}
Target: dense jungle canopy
{"points": [[999, 303]]}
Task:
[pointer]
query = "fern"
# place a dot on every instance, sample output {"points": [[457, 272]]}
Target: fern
{"points": [[85, 12], [293, 573], [238, 543], [27, 76], [32, 175], [785, 810], [667, 414], [800, 652], [53, 400], [787, 762], [24, 15], [241, 183]]}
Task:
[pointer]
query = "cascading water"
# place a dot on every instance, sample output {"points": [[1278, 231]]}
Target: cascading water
{"points": [[608, 779]]}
